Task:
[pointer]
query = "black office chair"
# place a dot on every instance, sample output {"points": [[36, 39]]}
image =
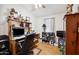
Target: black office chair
{"points": [[26, 46], [4, 45], [19, 44], [51, 37]]}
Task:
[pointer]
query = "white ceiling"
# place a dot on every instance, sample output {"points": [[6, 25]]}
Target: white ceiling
{"points": [[49, 10]]}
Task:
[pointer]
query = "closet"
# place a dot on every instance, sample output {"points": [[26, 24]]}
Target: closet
{"points": [[72, 34]]}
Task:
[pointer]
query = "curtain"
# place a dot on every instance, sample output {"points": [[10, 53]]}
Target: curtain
{"points": [[50, 24]]}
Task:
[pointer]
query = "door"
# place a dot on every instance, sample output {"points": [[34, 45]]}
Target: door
{"points": [[71, 34]]}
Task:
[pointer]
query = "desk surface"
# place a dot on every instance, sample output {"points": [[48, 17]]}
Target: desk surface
{"points": [[18, 37], [22, 36]]}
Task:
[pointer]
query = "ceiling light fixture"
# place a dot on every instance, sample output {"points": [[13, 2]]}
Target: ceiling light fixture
{"points": [[39, 6]]}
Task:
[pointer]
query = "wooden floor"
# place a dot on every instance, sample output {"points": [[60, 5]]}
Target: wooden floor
{"points": [[47, 49]]}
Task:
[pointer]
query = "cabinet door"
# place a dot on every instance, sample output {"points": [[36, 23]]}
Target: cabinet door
{"points": [[77, 44], [71, 32]]}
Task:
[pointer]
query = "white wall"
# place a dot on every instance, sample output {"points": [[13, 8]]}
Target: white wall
{"points": [[58, 22], [36, 21], [4, 10], [38, 24]]}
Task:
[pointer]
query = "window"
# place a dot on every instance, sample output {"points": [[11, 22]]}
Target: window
{"points": [[50, 24]]}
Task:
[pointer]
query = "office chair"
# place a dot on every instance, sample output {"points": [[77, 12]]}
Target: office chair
{"points": [[27, 45], [44, 37], [4, 45], [52, 37]]}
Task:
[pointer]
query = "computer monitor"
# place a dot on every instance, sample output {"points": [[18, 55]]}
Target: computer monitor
{"points": [[60, 33], [18, 31]]}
